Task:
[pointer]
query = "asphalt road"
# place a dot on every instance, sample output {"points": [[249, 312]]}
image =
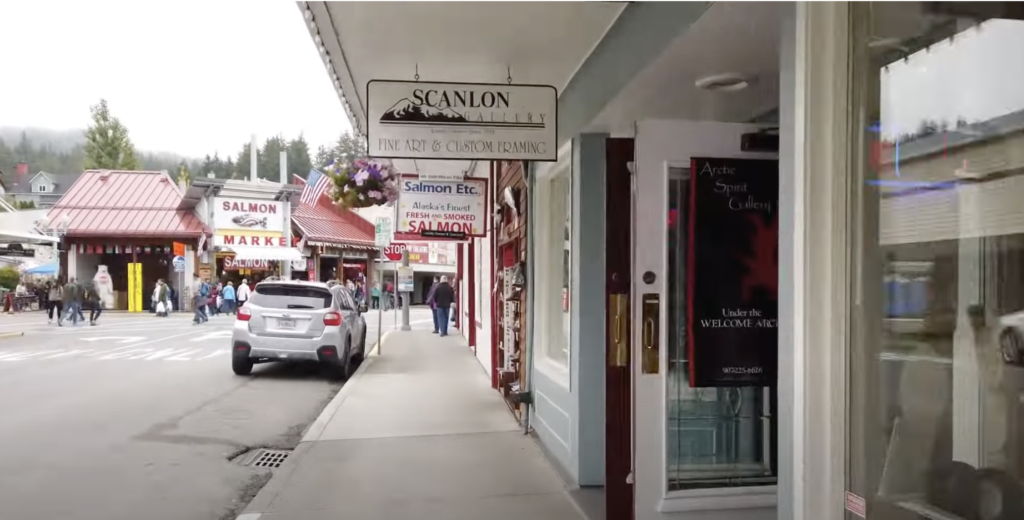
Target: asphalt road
{"points": [[139, 417]]}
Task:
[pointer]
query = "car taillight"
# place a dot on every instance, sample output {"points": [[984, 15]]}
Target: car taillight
{"points": [[244, 314], [332, 319]]}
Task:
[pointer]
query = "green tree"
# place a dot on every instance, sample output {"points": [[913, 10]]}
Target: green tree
{"points": [[184, 174], [241, 171], [270, 158], [107, 144], [26, 204], [349, 148], [298, 157], [9, 278]]}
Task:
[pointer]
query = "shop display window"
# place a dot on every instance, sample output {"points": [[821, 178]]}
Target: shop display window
{"points": [[554, 256], [936, 346]]}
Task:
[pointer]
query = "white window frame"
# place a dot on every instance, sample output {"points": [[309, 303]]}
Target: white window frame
{"points": [[40, 188], [548, 264]]}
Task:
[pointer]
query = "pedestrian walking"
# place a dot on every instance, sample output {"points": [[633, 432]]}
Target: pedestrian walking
{"points": [[95, 305], [444, 297], [72, 302], [433, 304], [375, 295], [163, 304], [229, 298], [201, 289], [242, 292], [55, 301]]}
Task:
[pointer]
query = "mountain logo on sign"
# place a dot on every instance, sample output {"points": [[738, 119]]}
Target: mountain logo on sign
{"points": [[406, 111]]}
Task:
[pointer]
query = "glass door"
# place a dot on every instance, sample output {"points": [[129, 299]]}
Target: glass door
{"points": [[691, 444]]}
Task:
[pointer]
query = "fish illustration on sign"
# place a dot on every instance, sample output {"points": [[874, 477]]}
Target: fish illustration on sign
{"points": [[249, 221]]}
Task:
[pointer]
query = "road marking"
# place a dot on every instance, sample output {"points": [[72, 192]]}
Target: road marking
{"points": [[25, 355], [68, 353], [181, 356], [120, 339], [125, 353], [213, 335]]}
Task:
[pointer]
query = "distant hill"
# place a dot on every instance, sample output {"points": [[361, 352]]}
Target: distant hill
{"points": [[63, 151]]}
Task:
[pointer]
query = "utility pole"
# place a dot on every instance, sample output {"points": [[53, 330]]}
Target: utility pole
{"points": [[287, 264]]}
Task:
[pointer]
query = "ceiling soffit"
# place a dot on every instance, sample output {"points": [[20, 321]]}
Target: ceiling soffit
{"points": [[475, 42]]}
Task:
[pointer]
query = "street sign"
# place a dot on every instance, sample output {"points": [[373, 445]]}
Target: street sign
{"points": [[382, 231], [393, 251], [405, 281], [179, 249], [179, 264]]}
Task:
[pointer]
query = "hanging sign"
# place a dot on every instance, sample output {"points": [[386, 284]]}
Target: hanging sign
{"points": [[732, 272], [462, 121], [430, 210]]}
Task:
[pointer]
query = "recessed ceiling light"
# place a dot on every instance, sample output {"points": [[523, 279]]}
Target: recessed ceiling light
{"points": [[728, 82]]}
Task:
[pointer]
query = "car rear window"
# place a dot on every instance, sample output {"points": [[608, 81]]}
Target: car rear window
{"points": [[291, 297]]}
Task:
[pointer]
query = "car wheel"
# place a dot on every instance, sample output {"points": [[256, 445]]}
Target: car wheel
{"points": [[342, 370], [242, 366], [1011, 344]]}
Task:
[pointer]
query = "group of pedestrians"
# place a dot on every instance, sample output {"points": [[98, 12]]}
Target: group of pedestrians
{"points": [[440, 298], [224, 298], [65, 302]]}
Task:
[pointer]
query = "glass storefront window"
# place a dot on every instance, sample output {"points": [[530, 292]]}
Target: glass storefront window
{"points": [[716, 437], [936, 372], [554, 202]]}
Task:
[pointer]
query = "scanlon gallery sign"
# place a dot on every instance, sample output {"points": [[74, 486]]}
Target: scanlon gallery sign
{"points": [[462, 121]]}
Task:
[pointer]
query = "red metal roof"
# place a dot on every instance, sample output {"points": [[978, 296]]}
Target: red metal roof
{"points": [[106, 203], [326, 222]]}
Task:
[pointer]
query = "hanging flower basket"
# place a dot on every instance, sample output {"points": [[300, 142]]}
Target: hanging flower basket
{"points": [[363, 183]]}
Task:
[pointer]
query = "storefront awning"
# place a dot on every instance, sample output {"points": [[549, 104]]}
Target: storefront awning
{"points": [[267, 253]]}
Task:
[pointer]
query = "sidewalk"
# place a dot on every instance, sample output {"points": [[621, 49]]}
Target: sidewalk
{"points": [[417, 433]]}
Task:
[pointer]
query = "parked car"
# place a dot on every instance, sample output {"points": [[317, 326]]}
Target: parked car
{"points": [[299, 321]]}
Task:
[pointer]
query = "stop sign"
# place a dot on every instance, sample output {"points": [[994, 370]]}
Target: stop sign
{"points": [[394, 251]]}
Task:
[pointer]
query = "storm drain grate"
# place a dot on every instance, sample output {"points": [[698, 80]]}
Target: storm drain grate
{"points": [[263, 458]]}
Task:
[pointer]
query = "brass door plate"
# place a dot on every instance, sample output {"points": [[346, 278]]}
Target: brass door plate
{"points": [[618, 330], [650, 323]]}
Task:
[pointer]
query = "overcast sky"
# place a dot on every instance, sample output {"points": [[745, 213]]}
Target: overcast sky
{"points": [[187, 77]]}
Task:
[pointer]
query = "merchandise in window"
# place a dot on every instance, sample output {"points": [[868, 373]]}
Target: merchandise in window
{"points": [[936, 397]]}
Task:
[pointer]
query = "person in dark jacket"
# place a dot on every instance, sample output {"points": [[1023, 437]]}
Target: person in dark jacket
{"points": [[433, 305], [95, 304], [444, 297]]}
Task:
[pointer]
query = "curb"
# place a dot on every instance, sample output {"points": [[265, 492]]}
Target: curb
{"points": [[316, 429], [6, 335], [263, 499]]}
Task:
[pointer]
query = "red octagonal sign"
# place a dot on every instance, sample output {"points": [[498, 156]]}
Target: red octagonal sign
{"points": [[394, 251]]}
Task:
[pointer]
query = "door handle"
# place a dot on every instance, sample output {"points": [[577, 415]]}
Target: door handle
{"points": [[650, 355], [618, 344]]}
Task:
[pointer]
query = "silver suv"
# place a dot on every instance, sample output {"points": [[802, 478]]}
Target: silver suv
{"points": [[299, 321]]}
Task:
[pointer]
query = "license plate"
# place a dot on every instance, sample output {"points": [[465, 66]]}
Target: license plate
{"points": [[285, 324]]}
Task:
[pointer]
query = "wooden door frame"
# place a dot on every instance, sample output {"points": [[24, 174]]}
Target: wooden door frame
{"points": [[619, 493]]}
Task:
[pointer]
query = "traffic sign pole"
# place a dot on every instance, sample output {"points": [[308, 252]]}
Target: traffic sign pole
{"points": [[382, 236]]}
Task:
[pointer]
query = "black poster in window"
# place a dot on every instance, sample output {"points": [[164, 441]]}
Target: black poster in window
{"points": [[732, 272]]}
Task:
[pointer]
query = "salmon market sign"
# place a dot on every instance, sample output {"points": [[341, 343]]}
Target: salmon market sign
{"points": [[248, 222], [462, 121]]}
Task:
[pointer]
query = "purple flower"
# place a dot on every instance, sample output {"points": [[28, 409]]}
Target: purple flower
{"points": [[374, 194]]}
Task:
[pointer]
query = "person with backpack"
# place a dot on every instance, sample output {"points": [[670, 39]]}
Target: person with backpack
{"points": [[201, 289]]}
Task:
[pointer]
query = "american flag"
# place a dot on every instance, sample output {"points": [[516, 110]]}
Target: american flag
{"points": [[316, 185]]}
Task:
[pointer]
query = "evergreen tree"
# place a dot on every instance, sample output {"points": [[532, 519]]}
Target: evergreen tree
{"points": [[298, 157], [107, 143]]}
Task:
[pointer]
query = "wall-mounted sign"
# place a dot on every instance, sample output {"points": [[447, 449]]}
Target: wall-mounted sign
{"points": [[248, 215], [17, 250], [179, 249], [232, 264], [458, 209], [467, 121], [732, 272], [240, 239]]}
